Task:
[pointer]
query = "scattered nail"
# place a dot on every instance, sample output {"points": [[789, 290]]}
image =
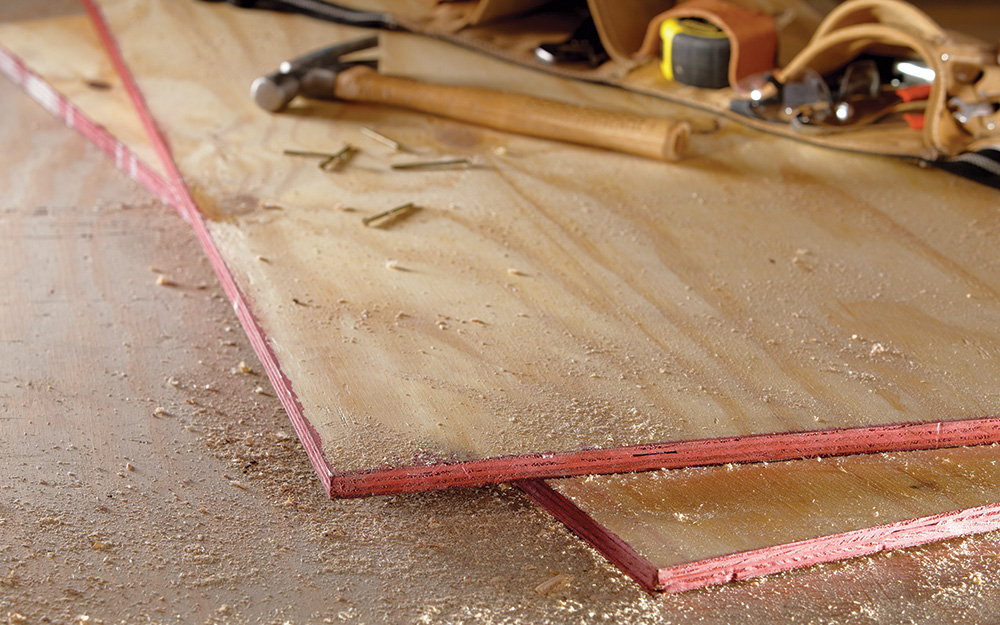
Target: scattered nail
{"points": [[327, 158], [392, 211], [308, 153], [100, 85], [381, 138], [425, 164]]}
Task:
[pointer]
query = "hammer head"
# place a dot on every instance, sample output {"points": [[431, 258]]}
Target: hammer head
{"points": [[274, 91]]}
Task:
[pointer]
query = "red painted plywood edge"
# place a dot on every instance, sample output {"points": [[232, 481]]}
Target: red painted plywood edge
{"points": [[673, 455], [899, 535], [391, 480], [765, 561]]}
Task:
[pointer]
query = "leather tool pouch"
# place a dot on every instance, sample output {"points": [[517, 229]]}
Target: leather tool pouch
{"points": [[957, 112], [961, 111]]}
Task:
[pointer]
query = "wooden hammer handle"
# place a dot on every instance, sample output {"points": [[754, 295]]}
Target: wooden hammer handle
{"points": [[653, 137]]}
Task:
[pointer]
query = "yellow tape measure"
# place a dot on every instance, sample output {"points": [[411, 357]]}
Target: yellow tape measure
{"points": [[695, 53]]}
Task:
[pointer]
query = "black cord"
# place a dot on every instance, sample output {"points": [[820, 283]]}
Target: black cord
{"points": [[324, 11], [342, 15]]}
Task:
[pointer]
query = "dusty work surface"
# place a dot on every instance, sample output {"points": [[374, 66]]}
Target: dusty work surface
{"points": [[525, 309], [630, 521], [113, 511]]}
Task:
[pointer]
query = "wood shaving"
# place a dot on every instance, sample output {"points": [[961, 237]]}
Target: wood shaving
{"points": [[553, 583]]}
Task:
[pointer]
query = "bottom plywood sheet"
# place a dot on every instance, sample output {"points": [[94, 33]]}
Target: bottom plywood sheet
{"points": [[684, 529], [675, 530]]}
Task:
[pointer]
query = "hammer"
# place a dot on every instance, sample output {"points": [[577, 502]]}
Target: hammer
{"points": [[324, 75]]}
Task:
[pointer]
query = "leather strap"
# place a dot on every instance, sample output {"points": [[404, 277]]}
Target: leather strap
{"points": [[753, 36], [894, 12], [968, 72], [622, 24]]}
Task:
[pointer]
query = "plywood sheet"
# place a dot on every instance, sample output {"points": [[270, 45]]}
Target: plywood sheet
{"points": [[534, 318], [683, 529], [678, 530]]}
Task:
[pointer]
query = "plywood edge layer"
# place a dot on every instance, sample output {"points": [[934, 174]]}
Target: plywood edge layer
{"points": [[797, 555], [184, 203], [672, 455]]}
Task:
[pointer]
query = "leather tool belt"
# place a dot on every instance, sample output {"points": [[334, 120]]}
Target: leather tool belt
{"points": [[950, 112]]}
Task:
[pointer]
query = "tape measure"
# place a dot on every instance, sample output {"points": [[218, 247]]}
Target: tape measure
{"points": [[695, 52]]}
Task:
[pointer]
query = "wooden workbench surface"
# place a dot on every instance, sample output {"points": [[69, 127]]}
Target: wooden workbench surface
{"points": [[80, 393]]}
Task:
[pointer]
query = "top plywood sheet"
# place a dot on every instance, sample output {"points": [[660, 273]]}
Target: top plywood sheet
{"points": [[549, 307]]}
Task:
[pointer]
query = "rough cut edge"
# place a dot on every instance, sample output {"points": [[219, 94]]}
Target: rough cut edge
{"points": [[478, 472], [768, 560], [796, 555]]}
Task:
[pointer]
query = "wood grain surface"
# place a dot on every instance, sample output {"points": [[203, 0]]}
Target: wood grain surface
{"points": [[525, 308], [676, 530]]}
